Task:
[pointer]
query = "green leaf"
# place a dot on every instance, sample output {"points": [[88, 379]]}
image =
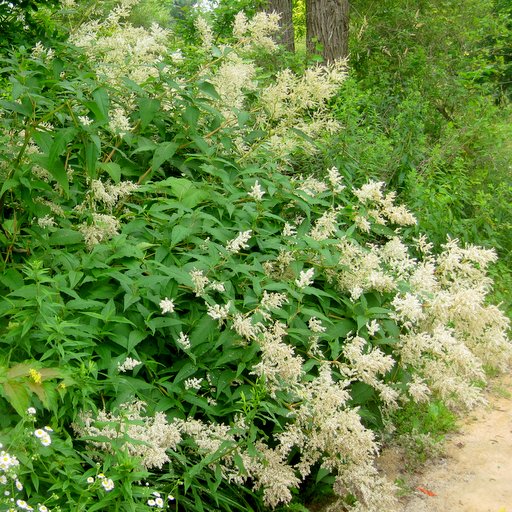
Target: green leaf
{"points": [[361, 393], [134, 338], [202, 145], [208, 89], [92, 154], [186, 191], [148, 107], [100, 105], [243, 117], [8, 185], [162, 321], [65, 237], [17, 395], [187, 370], [54, 163], [180, 233], [321, 474], [82, 304], [203, 330], [163, 152], [113, 170], [340, 329], [191, 116], [13, 106], [11, 278], [304, 136]]}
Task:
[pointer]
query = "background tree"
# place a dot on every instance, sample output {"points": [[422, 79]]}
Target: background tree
{"points": [[285, 9], [327, 23]]}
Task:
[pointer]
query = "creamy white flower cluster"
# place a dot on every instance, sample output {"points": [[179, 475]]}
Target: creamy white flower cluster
{"points": [[380, 207], [128, 364], [292, 104], [256, 33], [103, 227], [154, 435], [108, 194], [118, 49]]}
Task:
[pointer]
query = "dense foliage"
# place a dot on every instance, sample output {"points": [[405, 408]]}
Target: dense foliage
{"points": [[211, 296]]}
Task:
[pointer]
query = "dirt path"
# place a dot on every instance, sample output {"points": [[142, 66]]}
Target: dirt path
{"points": [[475, 473]]}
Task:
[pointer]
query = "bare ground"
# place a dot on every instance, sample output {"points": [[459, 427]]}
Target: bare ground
{"points": [[475, 472]]}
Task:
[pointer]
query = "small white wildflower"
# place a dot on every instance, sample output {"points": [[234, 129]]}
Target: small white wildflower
{"points": [[315, 325], [418, 390], [159, 502], [325, 226], [23, 505], [289, 230], [272, 300], [90, 480], [362, 223], [103, 227], [335, 179], [193, 383], [85, 120], [31, 411], [305, 278], [40, 433], [177, 56], [199, 281], [423, 244], [218, 287], [355, 293], [7, 461], [38, 49], [205, 32], [245, 328], [373, 327], [107, 484], [183, 341], [399, 215], [408, 309], [218, 312], [256, 192], [19, 485], [311, 186], [46, 222], [371, 191], [240, 242], [119, 122], [128, 364], [46, 440], [151, 502], [166, 305], [42, 508]]}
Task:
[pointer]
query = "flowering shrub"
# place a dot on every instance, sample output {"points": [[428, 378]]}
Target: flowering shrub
{"points": [[230, 331]]}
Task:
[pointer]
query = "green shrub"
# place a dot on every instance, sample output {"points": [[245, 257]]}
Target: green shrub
{"points": [[186, 306]]}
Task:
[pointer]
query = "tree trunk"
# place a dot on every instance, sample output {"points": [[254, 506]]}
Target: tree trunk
{"points": [[327, 24], [287, 36]]}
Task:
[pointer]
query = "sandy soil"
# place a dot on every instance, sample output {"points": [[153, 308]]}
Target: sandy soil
{"points": [[475, 472]]}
